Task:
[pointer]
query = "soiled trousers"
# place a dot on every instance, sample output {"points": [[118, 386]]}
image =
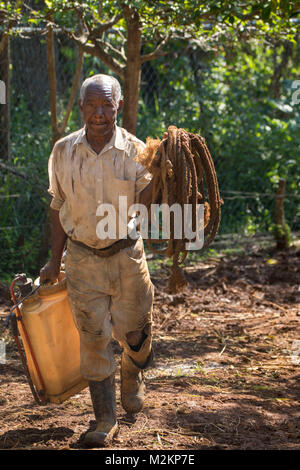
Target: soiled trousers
{"points": [[109, 298]]}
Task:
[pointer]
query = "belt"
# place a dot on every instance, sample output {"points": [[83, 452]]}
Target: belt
{"points": [[109, 250]]}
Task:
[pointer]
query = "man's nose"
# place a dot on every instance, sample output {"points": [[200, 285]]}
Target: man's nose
{"points": [[99, 111]]}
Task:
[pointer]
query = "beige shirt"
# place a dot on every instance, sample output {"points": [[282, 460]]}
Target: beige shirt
{"points": [[81, 181]]}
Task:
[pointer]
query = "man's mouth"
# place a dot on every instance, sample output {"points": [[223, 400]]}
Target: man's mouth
{"points": [[98, 124]]}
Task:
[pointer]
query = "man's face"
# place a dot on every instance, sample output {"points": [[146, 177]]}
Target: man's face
{"points": [[99, 110]]}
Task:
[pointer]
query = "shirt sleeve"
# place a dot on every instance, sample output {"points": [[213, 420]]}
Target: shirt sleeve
{"points": [[55, 190]]}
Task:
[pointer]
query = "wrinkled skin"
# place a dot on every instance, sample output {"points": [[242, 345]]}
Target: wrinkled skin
{"points": [[99, 110]]}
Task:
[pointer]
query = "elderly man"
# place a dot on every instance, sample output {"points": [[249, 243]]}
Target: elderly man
{"points": [[109, 286]]}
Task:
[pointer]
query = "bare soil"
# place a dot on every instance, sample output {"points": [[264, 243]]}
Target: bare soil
{"points": [[226, 373]]}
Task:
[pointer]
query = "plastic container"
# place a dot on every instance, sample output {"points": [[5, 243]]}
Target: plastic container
{"points": [[54, 340]]}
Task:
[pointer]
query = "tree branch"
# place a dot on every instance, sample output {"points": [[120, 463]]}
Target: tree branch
{"points": [[104, 44], [123, 40], [18, 173], [105, 26], [158, 51], [96, 50], [73, 91]]}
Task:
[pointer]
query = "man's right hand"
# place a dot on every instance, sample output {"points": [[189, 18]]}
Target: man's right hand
{"points": [[50, 272]]}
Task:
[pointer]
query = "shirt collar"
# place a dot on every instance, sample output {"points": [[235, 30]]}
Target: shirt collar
{"points": [[118, 140], [80, 139]]}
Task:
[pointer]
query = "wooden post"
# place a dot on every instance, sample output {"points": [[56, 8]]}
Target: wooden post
{"points": [[57, 129], [52, 83], [281, 230], [5, 108]]}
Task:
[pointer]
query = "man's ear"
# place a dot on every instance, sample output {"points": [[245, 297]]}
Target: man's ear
{"points": [[121, 106], [80, 104]]}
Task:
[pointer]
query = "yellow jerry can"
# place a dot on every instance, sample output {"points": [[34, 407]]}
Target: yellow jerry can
{"points": [[51, 342]]}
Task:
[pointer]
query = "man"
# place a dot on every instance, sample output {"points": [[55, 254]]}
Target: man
{"points": [[108, 281]]}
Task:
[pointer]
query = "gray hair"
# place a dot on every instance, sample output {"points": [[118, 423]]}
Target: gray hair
{"points": [[101, 78]]}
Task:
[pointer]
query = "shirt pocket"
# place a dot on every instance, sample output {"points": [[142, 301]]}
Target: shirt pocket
{"points": [[119, 193]]}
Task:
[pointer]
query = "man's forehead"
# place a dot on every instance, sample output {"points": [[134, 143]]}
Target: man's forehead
{"points": [[100, 89]]}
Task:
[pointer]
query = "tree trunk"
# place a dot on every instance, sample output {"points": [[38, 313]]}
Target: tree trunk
{"points": [[280, 67], [132, 72], [5, 108], [52, 84]]}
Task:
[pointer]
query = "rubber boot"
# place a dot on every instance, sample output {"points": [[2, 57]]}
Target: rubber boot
{"points": [[103, 395], [132, 384]]}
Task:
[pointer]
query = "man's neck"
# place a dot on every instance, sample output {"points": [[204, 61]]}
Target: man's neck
{"points": [[98, 142]]}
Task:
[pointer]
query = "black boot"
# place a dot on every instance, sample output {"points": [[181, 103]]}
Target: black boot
{"points": [[103, 395]]}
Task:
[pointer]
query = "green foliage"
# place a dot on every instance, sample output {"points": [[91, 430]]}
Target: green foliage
{"points": [[254, 142], [253, 138], [220, 86], [22, 215], [173, 101], [213, 18], [24, 201]]}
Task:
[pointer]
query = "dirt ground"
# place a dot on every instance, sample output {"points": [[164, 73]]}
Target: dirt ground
{"points": [[226, 374]]}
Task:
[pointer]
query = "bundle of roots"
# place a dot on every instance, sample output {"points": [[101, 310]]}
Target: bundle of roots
{"points": [[183, 173]]}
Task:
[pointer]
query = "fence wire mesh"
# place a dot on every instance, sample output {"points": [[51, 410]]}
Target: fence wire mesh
{"points": [[172, 92]]}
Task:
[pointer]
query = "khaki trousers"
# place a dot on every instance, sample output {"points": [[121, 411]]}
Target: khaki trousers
{"points": [[109, 298]]}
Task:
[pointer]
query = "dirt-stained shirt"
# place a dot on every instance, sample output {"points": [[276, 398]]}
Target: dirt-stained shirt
{"points": [[83, 184]]}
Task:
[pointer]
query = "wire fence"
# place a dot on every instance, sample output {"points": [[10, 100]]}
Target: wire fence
{"points": [[25, 137]]}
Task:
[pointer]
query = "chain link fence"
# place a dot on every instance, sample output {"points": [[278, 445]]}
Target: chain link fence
{"points": [[173, 91]]}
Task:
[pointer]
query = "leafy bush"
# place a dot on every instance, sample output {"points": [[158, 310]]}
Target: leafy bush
{"points": [[253, 139], [227, 98]]}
